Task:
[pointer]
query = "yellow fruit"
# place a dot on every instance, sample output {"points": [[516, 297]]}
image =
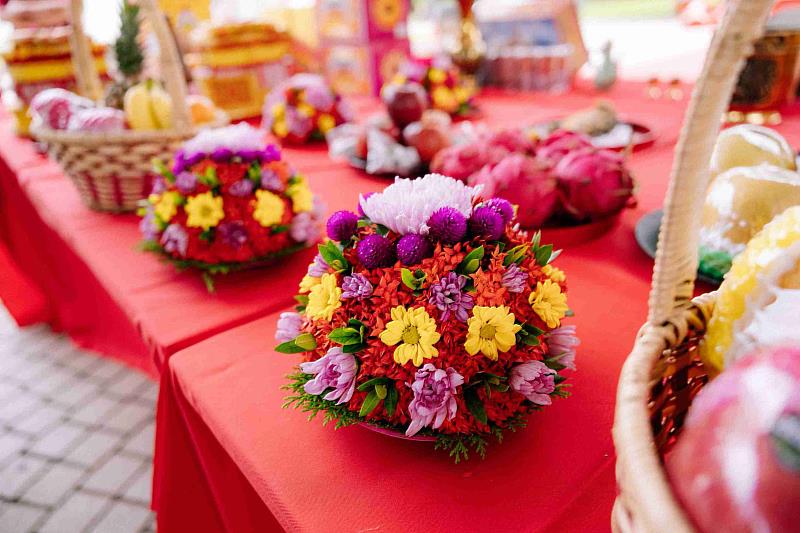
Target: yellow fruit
{"points": [[766, 272], [748, 145], [741, 200], [201, 109], [148, 107]]}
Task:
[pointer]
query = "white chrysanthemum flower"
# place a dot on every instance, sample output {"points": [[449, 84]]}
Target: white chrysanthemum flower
{"points": [[406, 205], [238, 138]]}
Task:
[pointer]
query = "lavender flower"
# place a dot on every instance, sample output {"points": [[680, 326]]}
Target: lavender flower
{"points": [[412, 248], [486, 222], [449, 297], [447, 225], [174, 239], [318, 267], [270, 180], [288, 326], [234, 234], [186, 182], [434, 397], [241, 188], [356, 286], [406, 205], [148, 226], [336, 370], [304, 228], [515, 279], [561, 343], [375, 251], [534, 380], [342, 225]]}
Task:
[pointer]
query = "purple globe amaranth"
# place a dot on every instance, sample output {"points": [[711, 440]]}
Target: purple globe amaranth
{"points": [[487, 223], [221, 155], [447, 225], [342, 225], [502, 206], [375, 251], [248, 156], [412, 249]]}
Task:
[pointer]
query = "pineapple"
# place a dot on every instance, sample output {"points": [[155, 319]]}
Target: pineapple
{"points": [[769, 266], [129, 56]]}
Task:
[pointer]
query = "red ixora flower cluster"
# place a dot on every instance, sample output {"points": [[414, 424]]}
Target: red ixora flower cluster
{"points": [[452, 331], [220, 208]]}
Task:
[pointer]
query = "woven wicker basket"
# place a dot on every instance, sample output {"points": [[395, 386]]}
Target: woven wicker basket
{"points": [[663, 372], [114, 171]]}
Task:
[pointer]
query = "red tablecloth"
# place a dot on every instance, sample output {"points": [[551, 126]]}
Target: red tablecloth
{"points": [[253, 463]]}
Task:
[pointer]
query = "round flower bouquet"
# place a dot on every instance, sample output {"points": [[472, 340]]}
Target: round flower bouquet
{"points": [[304, 108], [228, 203], [442, 81], [432, 315]]}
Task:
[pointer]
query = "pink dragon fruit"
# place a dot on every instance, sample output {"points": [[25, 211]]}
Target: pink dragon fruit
{"points": [[54, 107], [513, 141], [461, 161], [560, 143], [103, 119], [524, 181], [593, 183]]}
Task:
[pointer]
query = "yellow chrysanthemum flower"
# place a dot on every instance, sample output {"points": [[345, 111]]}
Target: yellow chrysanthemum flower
{"points": [[415, 330], [305, 109], [280, 128], [204, 210], [324, 298], [269, 208], [165, 206], [437, 75], [491, 330], [308, 283], [443, 99], [554, 273], [326, 122], [549, 303], [278, 110], [301, 195]]}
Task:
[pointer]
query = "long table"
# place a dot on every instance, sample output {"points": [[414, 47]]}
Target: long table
{"points": [[227, 455]]}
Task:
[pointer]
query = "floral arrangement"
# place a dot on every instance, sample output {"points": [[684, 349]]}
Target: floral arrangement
{"points": [[304, 108], [442, 81], [229, 202], [558, 180], [431, 314]]}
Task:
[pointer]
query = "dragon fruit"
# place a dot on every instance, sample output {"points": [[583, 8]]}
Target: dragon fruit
{"points": [[558, 144], [102, 119], [523, 181], [593, 183], [459, 162], [54, 107]]}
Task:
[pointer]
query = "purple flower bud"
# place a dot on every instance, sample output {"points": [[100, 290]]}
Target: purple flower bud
{"points": [[342, 225], [221, 155], [447, 225], [487, 223], [412, 248], [375, 251], [502, 206], [288, 326]]}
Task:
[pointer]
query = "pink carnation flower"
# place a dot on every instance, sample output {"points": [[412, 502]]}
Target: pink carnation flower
{"points": [[335, 370], [534, 380]]}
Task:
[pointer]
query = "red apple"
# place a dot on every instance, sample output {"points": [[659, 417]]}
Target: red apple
{"points": [[428, 140], [405, 102]]}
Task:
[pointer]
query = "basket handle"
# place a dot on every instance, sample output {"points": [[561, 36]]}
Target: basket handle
{"points": [[169, 58], [677, 255]]}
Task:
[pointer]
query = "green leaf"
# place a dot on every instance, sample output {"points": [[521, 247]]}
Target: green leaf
{"points": [[475, 405], [537, 237], [345, 336], [371, 383], [353, 348], [382, 230], [281, 228], [208, 279], [559, 379], [370, 403], [471, 261], [254, 172], [413, 281], [356, 324], [306, 341], [390, 402], [333, 256], [543, 254], [363, 223], [569, 312], [381, 391], [209, 177], [516, 254]]}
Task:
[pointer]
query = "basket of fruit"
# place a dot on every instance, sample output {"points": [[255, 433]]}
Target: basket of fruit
{"points": [[707, 422], [106, 151]]}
